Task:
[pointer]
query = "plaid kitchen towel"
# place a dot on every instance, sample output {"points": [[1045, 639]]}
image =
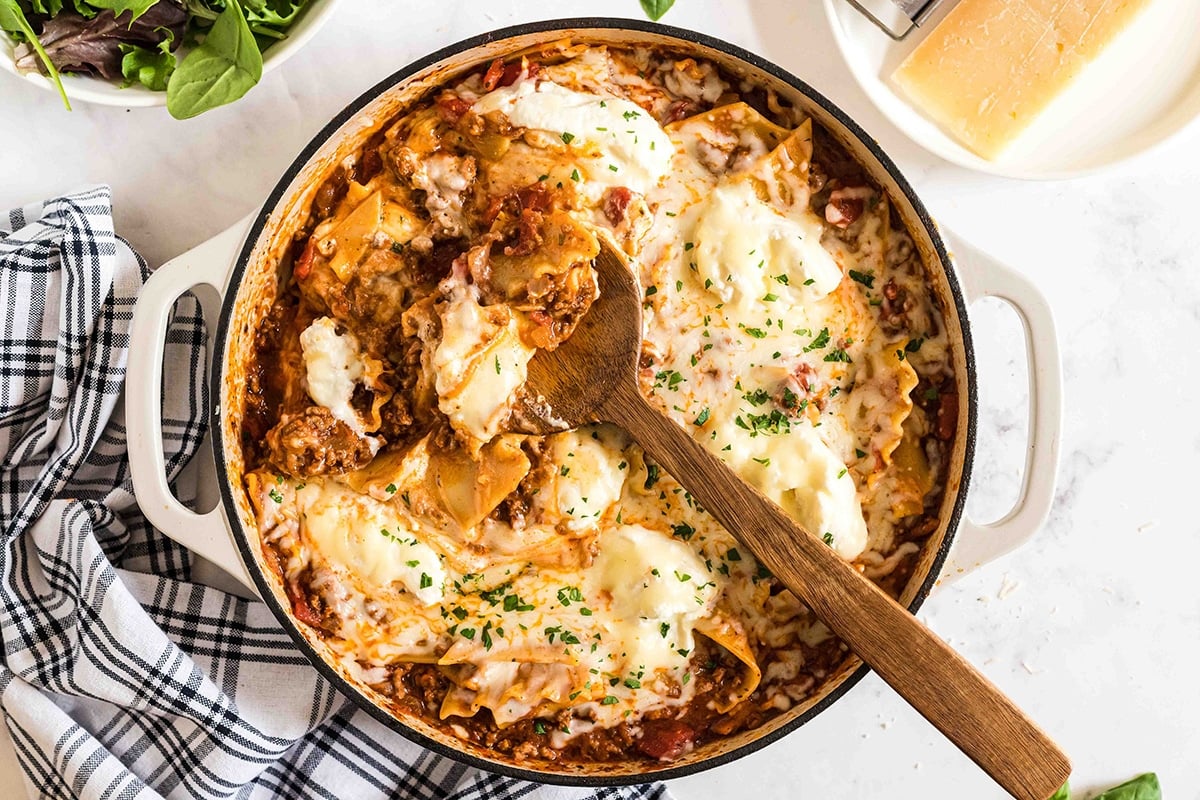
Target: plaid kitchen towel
{"points": [[119, 678]]}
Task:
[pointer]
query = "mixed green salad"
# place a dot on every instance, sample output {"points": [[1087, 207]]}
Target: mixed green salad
{"points": [[202, 53]]}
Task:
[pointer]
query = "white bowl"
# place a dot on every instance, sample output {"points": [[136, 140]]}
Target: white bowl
{"points": [[1142, 91], [106, 93]]}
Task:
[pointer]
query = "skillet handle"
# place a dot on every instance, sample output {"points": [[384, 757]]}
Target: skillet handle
{"points": [[207, 535], [978, 544]]}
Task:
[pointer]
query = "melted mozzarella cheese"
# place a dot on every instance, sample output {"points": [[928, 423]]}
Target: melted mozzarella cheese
{"points": [[368, 540], [480, 362], [587, 483], [629, 147], [333, 366], [803, 476], [742, 244], [659, 588]]}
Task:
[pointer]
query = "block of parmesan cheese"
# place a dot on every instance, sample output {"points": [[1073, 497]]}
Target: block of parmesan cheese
{"points": [[991, 66]]}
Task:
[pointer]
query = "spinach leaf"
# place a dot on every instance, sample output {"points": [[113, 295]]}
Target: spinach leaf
{"points": [[1063, 793], [119, 7], [656, 8], [12, 19], [225, 66], [151, 68], [1143, 787]]}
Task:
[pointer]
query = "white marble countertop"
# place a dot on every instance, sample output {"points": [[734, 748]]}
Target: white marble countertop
{"points": [[1093, 627]]}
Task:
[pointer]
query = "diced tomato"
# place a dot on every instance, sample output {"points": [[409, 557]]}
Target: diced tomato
{"points": [[452, 106], [511, 73], [495, 71], [300, 606], [666, 739], [303, 267], [616, 200], [535, 197], [947, 416]]}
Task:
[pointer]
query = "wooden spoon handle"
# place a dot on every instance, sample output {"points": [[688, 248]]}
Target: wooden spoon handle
{"points": [[923, 669]]}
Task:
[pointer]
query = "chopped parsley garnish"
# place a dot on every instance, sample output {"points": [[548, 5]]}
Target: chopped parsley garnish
{"points": [[782, 279], [683, 531], [467, 633], [609, 700], [568, 138], [687, 676], [757, 333], [664, 628], [413, 563], [827, 538], [865, 278], [275, 495], [612, 167], [770, 298], [575, 175], [914, 345], [652, 473], [842, 474], [497, 365], [682, 576], [391, 488], [486, 636], [539, 728], [775, 422], [569, 594], [633, 683], [821, 340], [701, 418], [672, 378], [733, 555], [651, 290], [564, 470], [810, 281], [513, 602], [628, 115], [688, 246], [838, 355], [859, 453], [757, 397], [766, 462], [426, 581]]}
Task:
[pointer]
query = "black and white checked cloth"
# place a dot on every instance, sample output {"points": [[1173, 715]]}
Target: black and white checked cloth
{"points": [[120, 679]]}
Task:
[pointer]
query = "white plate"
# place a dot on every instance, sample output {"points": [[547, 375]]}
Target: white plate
{"points": [[1142, 90], [102, 92]]}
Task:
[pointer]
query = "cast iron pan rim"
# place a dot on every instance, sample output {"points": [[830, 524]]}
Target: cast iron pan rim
{"points": [[243, 539]]}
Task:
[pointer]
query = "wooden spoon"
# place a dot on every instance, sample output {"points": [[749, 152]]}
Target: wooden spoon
{"points": [[592, 377]]}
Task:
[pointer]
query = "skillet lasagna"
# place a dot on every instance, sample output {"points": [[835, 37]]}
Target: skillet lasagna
{"points": [[561, 598]]}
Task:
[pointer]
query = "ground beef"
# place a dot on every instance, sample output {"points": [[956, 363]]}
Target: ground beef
{"points": [[313, 442]]}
